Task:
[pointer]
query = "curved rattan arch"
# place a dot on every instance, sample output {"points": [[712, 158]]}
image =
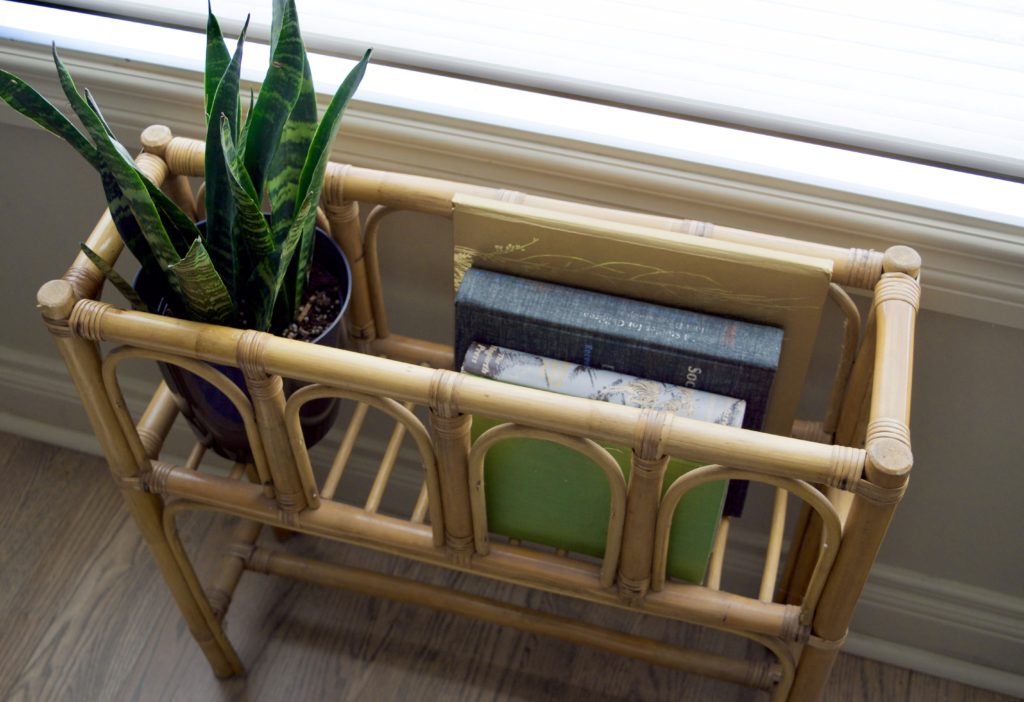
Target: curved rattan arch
{"points": [[587, 447], [214, 377], [177, 549], [390, 407], [848, 352], [831, 532], [371, 232]]}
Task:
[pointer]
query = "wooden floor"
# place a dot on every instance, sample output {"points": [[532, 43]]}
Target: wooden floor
{"points": [[85, 616]]}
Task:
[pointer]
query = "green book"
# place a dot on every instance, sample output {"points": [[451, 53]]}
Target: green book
{"points": [[546, 493]]}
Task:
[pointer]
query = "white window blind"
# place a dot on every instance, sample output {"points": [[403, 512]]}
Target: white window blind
{"points": [[938, 81]]}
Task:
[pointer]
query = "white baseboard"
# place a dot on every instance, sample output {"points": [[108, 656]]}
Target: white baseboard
{"points": [[913, 620], [39, 402], [908, 619], [930, 663]]}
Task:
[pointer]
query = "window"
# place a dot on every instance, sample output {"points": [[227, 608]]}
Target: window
{"points": [[968, 227], [572, 54], [932, 80]]}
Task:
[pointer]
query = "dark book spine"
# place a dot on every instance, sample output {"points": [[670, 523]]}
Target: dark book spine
{"points": [[554, 321], [635, 325], [623, 356]]}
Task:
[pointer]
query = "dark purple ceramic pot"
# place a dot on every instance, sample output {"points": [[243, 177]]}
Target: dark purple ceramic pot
{"points": [[214, 419]]}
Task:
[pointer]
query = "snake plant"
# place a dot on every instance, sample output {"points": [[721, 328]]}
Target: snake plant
{"points": [[247, 268]]}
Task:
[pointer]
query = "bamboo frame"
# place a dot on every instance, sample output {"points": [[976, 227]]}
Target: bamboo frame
{"points": [[773, 554], [156, 422], [825, 550], [851, 336], [56, 300], [376, 288], [721, 667], [387, 465], [204, 371], [518, 565], [404, 419], [648, 462], [716, 563], [863, 473], [710, 443], [355, 426]]}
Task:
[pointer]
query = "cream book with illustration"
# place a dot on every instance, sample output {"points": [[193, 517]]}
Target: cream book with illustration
{"points": [[531, 370]]}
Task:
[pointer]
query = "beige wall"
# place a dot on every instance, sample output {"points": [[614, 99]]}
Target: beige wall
{"points": [[960, 525]]}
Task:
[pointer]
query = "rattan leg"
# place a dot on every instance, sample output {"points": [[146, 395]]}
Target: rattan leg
{"points": [[803, 554], [243, 538], [210, 634], [812, 674], [146, 510], [56, 300]]}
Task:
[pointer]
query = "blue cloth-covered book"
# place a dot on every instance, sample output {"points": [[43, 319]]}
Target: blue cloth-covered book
{"points": [[681, 347]]}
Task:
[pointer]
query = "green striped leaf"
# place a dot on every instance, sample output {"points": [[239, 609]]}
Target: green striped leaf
{"points": [[280, 90], [129, 181], [136, 194], [217, 59], [244, 131], [118, 282], [251, 227], [283, 180], [24, 98], [233, 162], [202, 287], [250, 223], [328, 127], [270, 273], [263, 289], [312, 177], [133, 238], [30, 103], [179, 227], [220, 208], [276, 19], [124, 173], [91, 102], [290, 157]]}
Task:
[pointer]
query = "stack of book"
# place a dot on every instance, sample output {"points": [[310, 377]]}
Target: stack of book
{"points": [[615, 349]]}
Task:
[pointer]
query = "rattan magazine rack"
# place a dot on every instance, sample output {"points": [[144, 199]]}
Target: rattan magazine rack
{"points": [[848, 470]]}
